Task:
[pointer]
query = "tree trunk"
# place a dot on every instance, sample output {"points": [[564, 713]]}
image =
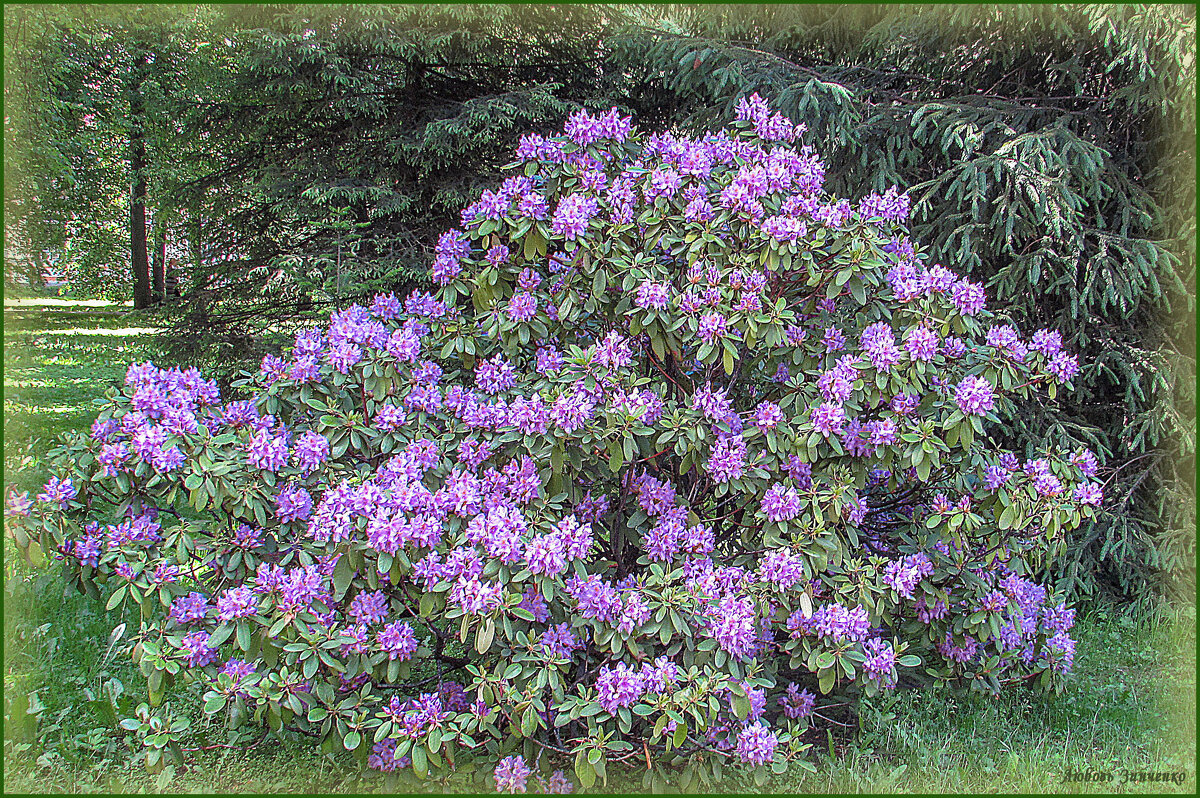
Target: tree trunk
{"points": [[37, 278], [159, 270], [139, 260]]}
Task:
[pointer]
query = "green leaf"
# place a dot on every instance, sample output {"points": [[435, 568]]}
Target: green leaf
{"points": [[419, 761], [116, 598], [584, 770], [483, 638], [826, 681], [243, 635], [616, 457], [343, 573]]}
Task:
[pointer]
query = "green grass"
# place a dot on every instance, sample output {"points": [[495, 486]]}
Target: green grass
{"points": [[1130, 707], [58, 358]]}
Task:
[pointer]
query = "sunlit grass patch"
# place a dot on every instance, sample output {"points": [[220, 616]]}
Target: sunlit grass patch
{"points": [[52, 302], [112, 331]]}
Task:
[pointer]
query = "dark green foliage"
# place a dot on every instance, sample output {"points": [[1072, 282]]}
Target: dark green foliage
{"points": [[349, 137]]}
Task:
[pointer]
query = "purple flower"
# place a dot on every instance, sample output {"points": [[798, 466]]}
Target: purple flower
{"points": [[306, 369], [880, 663], [756, 744], [531, 205], [614, 351], [476, 597], [237, 602], [385, 306], [511, 774], [837, 384], [343, 356], [829, 418], [782, 568], [572, 216], [832, 621], [1006, 340], [495, 375], [699, 210], [398, 640], [522, 306], [733, 624], [922, 343], [905, 574], [1048, 342], [293, 504], [664, 182], [795, 704], [879, 345], [192, 607], [369, 607], [266, 451], [619, 687], [310, 450], [238, 670], [198, 654], [545, 555], [767, 416], [781, 503], [652, 295], [974, 396], [1089, 493], [383, 756], [969, 298], [549, 360], [833, 339], [57, 493], [19, 504], [949, 649], [892, 206], [784, 228], [594, 598], [559, 641], [1063, 366], [727, 460], [1087, 462], [711, 326], [1059, 653], [389, 418]]}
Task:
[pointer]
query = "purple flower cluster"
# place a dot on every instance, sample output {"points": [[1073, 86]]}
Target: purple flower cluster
{"points": [[832, 621], [891, 206], [572, 216], [904, 574], [880, 663], [975, 396], [511, 774], [796, 703], [756, 744], [781, 503]]}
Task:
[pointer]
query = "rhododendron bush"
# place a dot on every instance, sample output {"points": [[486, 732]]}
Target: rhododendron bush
{"points": [[680, 451]]}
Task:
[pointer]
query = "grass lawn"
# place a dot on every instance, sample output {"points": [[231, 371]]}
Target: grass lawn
{"points": [[1129, 710]]}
